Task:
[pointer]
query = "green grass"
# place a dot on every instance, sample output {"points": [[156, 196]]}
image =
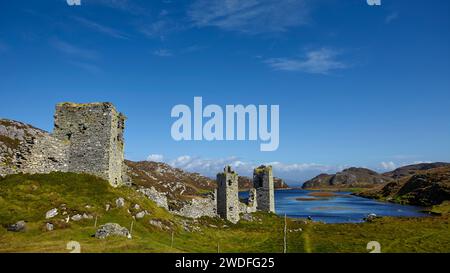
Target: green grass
{"points": [[28, 197]]}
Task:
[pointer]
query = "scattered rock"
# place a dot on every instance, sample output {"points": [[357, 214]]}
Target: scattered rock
{"points": [[51, 213], [141, 214], [159, 198], [107, 207], [17, 227], [296, 230], [49, 226], [137, 207], [156, 223], [371, 217], [87, 216], [120, 202], [112, 229], [247, 217], [77, 217]]}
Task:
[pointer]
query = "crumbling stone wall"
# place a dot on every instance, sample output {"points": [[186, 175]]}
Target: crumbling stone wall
{"points": [[228, 205], [199, 207], [26, 149], [95, 135], [250, 205], [263, 183], [43, 154]]}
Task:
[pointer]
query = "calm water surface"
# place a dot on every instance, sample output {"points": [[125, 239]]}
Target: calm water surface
{"points": [[343, 208]]}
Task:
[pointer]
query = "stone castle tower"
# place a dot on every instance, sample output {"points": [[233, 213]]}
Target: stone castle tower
{"points": [[263, 183], [94, 135], [227, 195]]}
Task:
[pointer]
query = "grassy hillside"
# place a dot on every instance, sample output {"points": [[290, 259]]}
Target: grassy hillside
{"points": [[29, 197]]}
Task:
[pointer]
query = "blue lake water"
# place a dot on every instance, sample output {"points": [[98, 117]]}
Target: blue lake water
{"points": [[343, 208]]}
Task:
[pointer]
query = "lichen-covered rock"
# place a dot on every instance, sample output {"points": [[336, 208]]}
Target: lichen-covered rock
{"points": [[17, 227], [76, 217], [51, 213], [49, 226], [120, 202], [87, 216], [112, 229], [159, 198], [141, 214]]}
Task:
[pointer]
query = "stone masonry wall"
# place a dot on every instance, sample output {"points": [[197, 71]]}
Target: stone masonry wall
{"points": [[43, 154], [228, 205], [26, 149], [263, 183], [95, 134]]}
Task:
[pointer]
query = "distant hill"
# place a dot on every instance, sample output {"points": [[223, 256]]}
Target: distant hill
{"points": [[246, 183], [425, 187], [348, 178], [414, 169]]}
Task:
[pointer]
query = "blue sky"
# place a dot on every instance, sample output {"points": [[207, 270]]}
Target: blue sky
{"points": [[357, 85]]}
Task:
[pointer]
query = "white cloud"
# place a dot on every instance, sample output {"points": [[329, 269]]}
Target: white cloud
{"points": [[388, 166], [100, 28], [251, 16], [163, 53], [210, 167], [321, 61], [155, 158]]}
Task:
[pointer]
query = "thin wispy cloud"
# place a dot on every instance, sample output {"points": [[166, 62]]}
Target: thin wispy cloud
{"points": [[100, 28], [73, 50], [320, 61], [77, 56], [128, 6], [163, 52], [252, 16], [391, 17], [88, 67]]}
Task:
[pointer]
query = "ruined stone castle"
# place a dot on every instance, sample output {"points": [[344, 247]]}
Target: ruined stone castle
{"points": [[87, 138], [260, 197]]}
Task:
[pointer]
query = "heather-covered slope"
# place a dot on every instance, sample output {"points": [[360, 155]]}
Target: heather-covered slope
{"points": [[424, 188]]}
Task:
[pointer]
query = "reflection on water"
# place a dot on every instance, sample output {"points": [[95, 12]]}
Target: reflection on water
{"points": [[342, 208]]}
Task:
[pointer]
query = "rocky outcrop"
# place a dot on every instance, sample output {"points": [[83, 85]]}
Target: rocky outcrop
{"points": [[112, 229], [426, 188], [159, 198], [17, 227], [348, 178], [414, 169], [178, 186]]}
